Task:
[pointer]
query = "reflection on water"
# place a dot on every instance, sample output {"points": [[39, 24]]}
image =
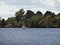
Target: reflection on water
{"points": [[39, 36]]}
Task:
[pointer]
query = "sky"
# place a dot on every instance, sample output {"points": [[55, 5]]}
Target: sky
{"points": [[9, 7]]}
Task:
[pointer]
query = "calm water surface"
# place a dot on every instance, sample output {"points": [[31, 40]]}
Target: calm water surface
{"points": [[33, 36]]}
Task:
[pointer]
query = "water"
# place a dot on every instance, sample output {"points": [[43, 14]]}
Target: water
{"points": [[33, 36]]}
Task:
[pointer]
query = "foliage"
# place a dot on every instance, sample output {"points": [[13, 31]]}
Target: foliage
{"points": [[32, 20], [19, 14]]}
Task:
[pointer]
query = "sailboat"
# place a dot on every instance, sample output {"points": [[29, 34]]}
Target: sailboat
{"points": [[23, 27]]}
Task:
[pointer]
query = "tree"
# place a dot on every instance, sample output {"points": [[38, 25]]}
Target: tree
{"points": [[29, 13], [0, 23], [35, 20], [19, 25], [39, 13], [48, 13], [32, 22], [28, 16], [58, 20], [11, 22], [19, 14], [3, 23], [47, 20]]}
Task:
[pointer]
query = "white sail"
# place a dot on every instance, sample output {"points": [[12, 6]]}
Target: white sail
{"points": [[23, 27]]}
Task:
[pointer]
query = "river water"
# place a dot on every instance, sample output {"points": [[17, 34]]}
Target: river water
{"points": [[29, 36]]}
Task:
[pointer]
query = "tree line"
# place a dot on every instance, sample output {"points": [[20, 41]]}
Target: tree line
{"points": [[32, 20]]}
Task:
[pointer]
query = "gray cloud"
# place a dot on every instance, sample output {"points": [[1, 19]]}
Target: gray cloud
{"points": [[9, 7], [17, 2]]}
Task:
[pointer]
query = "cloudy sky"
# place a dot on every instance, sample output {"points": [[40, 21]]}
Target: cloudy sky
{"points": [[9, 7]]}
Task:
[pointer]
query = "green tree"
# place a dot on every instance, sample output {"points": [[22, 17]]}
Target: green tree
{"points": [[35, 21], [29, 13], [19, 25], [12, 23], [48, 20], [0, 23], [3, 23], [39, 13], [28, 16], [58, 20], [19, 14]]}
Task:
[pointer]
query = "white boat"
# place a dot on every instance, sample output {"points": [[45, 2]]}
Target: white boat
{"points": [[23, 27]]}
